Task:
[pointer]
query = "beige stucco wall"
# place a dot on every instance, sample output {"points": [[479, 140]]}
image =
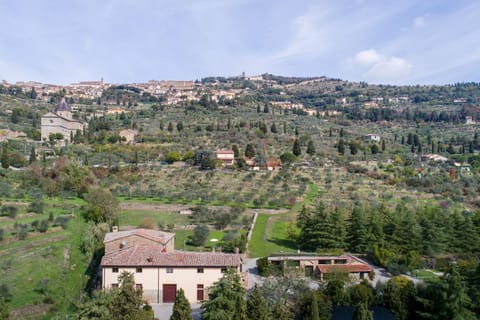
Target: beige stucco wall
{"points": [[153, 278], [132, 240]]}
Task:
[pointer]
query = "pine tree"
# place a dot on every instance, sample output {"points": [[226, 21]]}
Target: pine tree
{"points": [[181, 308], [225, 300], [256, 306], [296, 148], [456, 302], [128, 301], [357, 234]]}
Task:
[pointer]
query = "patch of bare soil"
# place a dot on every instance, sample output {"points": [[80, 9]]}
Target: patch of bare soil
{"points": [[29, 312]]}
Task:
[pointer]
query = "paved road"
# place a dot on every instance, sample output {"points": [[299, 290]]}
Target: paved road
{"points": [[163, 311]]}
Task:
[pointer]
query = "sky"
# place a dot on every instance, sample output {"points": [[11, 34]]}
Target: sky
{"points": [[377, 41]]}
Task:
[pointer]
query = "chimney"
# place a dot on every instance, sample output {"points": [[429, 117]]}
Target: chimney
{"points": [[115, 229]]}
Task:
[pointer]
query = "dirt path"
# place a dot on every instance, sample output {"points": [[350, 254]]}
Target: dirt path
{"points": [[165, 207]]}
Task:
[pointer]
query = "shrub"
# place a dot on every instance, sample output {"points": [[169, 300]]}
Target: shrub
{"points": [[22, 231], [10, 211], [263, 267], [62, 221], [147, 223], [5, 292], [2, 234], [200, 235], [36, 206], [43, 226]]}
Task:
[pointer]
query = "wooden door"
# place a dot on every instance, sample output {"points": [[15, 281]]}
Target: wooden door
{"points": [[200, 292], [169, 293]]}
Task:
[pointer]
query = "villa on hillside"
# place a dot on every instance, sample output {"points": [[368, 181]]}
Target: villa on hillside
{"points": [[159, 269], [60, 121], [226, 157], [371, 137]]}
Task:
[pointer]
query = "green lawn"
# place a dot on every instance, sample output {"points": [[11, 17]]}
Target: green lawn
{"points": [[270, 231], [269, 236], [134, 217], [182, 240], [426, 275]]}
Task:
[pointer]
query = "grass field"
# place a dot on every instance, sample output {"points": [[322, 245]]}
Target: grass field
{"points": [[44, 264]]}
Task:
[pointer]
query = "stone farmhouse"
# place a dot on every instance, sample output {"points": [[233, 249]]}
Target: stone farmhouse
{"points": [[60, 121], [320, 266], [159, 269]]}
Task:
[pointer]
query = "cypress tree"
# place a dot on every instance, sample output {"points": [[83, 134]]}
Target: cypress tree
{"points": [[362, 312], [309, 307], [33, 156], [5, 158], [296, 148], [249, 151], [273, 128], [310, 148], [341, 147]]}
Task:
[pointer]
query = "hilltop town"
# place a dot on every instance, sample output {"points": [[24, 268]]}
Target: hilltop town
{"points": [[341, 194]]}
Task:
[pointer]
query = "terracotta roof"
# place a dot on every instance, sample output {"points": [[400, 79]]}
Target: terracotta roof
{"points": [[152, 255], [328, 268], [154, 235]]}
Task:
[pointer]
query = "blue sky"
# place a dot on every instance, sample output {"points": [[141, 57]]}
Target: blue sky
{"points": [[396, 42]]}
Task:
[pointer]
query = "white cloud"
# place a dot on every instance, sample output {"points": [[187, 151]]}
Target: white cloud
{"points": [[376, 67], [389, 69], [419, 22], [367, 57]]}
